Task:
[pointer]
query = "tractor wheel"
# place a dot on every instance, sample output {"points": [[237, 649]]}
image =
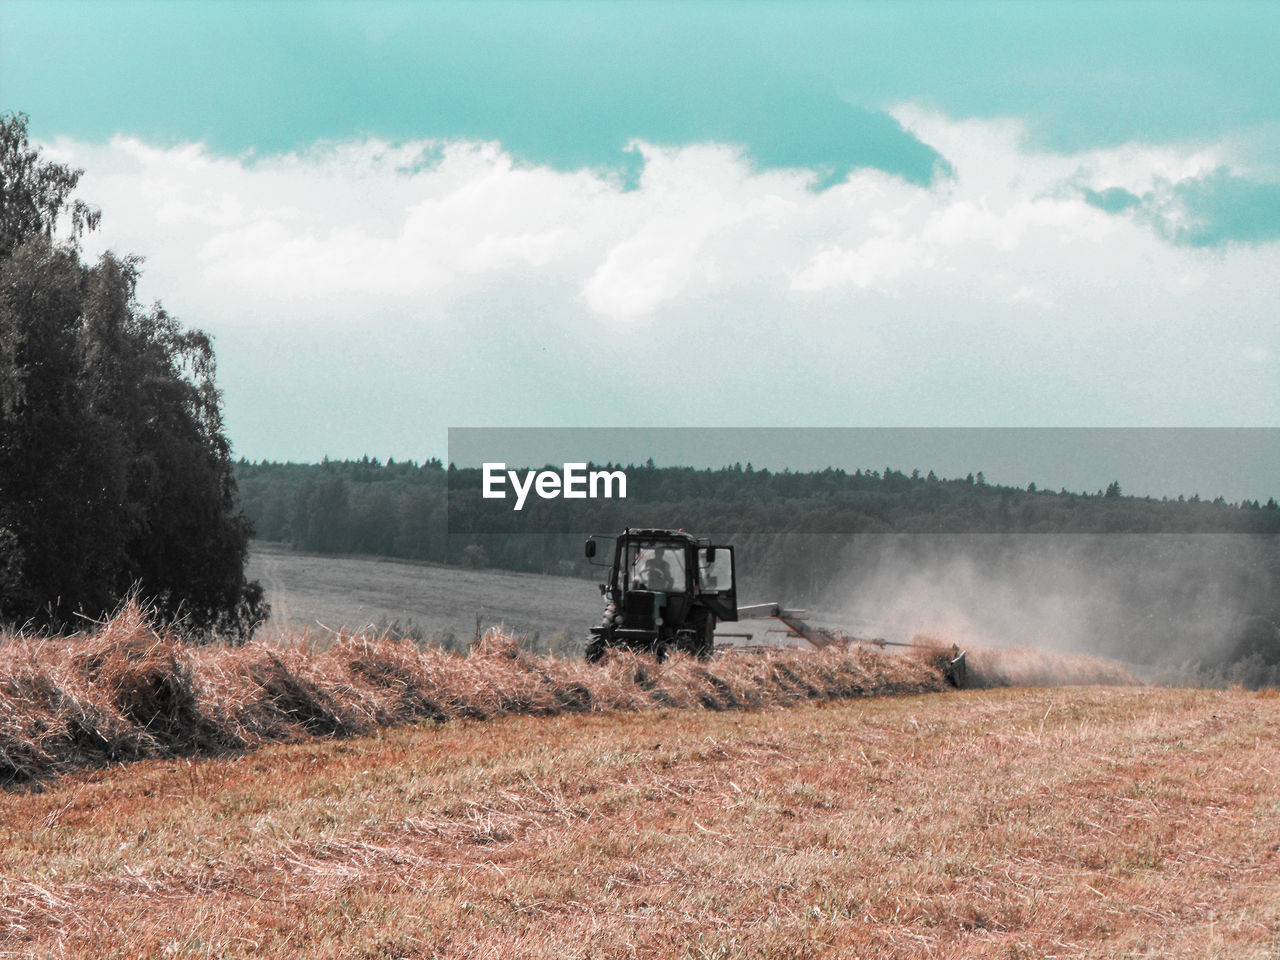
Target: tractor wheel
{"points": [[702, 639], [698, 642], [595, 650]]}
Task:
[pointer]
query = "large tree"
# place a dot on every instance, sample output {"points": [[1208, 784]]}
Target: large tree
{"points": [[115, 473]]}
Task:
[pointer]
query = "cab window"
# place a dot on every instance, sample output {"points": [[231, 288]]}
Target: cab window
{"points": [[655, 566], [716, 574]]}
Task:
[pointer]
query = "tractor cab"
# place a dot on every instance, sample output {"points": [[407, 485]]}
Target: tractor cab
{"points": [[665, 590]]}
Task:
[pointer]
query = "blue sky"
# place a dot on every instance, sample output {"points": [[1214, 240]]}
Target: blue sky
{"points": [[804, 84], [400, 217]]}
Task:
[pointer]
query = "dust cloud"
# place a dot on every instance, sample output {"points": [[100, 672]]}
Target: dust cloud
{"points": [[1147, 600]]}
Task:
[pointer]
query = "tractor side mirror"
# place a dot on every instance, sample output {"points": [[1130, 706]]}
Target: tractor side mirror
{"points": [[711, 554], [589, 549]]}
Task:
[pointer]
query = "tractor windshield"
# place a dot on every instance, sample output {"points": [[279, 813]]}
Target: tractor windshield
{"points": [[655, 566]]}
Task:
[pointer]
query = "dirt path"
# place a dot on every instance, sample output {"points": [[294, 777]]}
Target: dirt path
{"points": [[276, 593]]}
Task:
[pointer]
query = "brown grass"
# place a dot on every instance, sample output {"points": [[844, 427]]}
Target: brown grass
{"points": [[1029, 667], [1084, 822], [130, 691]]}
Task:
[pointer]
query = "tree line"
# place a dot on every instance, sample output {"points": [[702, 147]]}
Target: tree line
{"points": [[115, 474], [427, 511]]}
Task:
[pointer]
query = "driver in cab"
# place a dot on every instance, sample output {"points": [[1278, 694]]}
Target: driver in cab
{"points": [[653, 572]]}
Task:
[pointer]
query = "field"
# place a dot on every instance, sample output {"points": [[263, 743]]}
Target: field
{"points": [[1072, 822], [368, 798], [321, 595]]}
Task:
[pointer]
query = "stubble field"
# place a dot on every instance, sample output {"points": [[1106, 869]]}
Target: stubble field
{"points": [[778, 806], [1072, 822]]}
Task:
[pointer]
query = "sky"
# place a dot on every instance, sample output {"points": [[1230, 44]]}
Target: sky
{"points": [[395, 218]]}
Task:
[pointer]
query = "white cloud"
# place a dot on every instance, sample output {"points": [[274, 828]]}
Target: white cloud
{"points": [[351, 223], [876, 264], [996, 295]]}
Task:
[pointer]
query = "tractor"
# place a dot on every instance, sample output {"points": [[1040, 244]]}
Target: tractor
{"points": [[667, 589], [665, 592]]}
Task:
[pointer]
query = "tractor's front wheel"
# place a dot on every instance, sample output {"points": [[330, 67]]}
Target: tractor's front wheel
{"points": [[595, 650]]}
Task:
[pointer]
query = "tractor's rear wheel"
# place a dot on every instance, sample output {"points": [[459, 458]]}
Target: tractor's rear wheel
{"points": [[702, 642], [699, 642]]}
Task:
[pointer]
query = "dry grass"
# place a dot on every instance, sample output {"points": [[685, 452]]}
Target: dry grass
{"points": [[1029, 667], [1083, 822], [624, 810], [129, 692]]}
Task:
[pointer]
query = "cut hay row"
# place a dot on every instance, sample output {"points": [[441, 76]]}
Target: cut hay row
{"points": [[1029, 667], [131, 690]]}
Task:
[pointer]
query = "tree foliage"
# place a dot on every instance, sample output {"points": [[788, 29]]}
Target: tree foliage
{"points": [[409, 510], [115, 473], [36, 193]]}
